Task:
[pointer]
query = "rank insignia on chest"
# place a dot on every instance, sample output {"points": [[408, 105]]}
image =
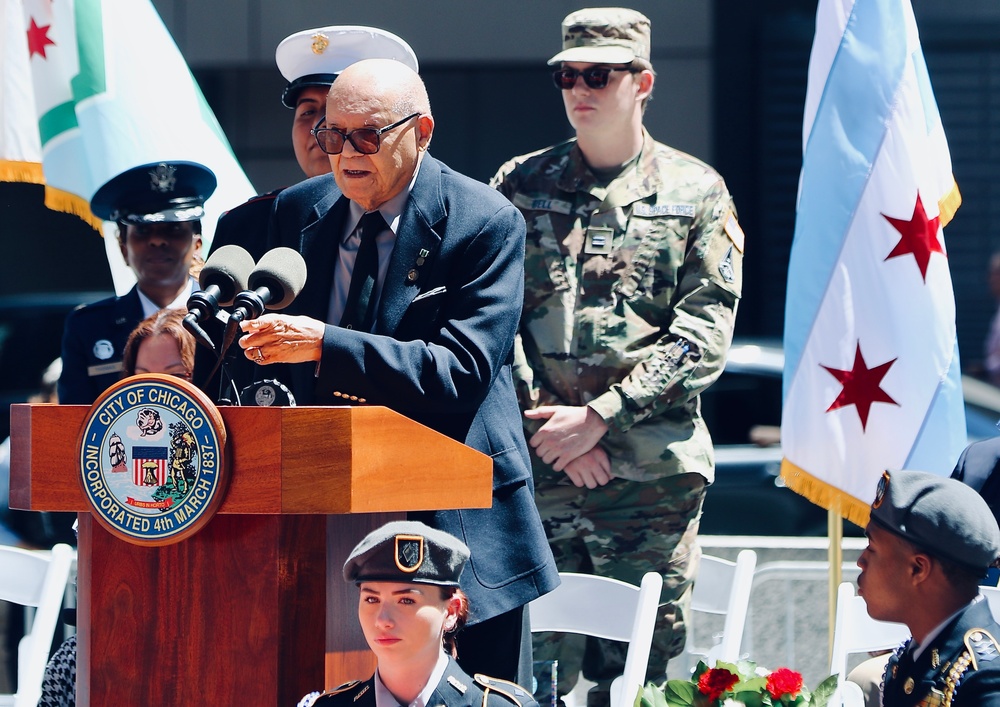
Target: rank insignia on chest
{"points": [[599, 240], [934, 698], [457, 684]]}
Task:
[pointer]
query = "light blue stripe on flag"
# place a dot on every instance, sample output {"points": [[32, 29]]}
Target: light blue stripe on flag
{"points": [[846, 136], [943, 431]]}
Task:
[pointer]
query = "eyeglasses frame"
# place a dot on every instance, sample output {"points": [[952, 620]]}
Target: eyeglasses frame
{"points": [[582, 74], [348, 135]]}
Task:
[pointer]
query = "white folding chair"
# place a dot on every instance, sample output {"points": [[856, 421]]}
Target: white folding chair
{"points": [[605, 608], [856, 632], [992, 595], [722, 588], [35, 579]]}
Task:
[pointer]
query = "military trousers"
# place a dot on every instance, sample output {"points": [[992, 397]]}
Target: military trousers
{"points": [[622, 530]]}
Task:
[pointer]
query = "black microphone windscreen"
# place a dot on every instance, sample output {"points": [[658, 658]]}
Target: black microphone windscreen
{"points": [[283, 271], [228, 268]]}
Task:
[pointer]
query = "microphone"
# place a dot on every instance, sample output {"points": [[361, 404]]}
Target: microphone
{"points": [[226, 272], [274, 284]]}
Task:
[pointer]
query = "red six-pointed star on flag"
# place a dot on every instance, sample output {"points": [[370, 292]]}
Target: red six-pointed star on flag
{"points": [[862, 386], [918, 236], [38, 39]]}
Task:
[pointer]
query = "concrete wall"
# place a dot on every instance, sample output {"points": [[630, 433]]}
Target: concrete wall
{"points": [[484, 63]]}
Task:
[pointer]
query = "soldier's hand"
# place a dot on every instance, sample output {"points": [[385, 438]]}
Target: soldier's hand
{"points": [[568, 433], [593, 469], [280, 338]]}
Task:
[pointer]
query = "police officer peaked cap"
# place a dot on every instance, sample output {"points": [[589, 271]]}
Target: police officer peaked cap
{"points": [[407, 551], [941, 516], [314, 57], [155, 193]]}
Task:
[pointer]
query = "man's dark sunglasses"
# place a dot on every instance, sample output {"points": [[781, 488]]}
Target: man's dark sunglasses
{"points": [[365, 140], [594, 77]]}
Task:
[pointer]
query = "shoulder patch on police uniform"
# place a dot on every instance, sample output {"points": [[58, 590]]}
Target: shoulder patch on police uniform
{"points": [[726, 266], [734, 231], [655, 210], [523, 201], [511, 690], [982, 646]]}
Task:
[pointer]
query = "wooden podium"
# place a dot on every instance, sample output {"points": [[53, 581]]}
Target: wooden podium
{"points": [[243, 611]]}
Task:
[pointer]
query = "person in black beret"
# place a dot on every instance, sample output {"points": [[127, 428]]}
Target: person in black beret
{"points": [[410, 609], [158, 208], [930, 541]]}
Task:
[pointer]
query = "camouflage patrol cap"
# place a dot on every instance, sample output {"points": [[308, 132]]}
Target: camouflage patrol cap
{"points": [[941, 516], [407, 551], [604, 35]]}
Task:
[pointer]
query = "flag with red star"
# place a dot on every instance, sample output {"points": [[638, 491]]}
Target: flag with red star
{"points": [[20, 147], [107, 90], [871, 378]]}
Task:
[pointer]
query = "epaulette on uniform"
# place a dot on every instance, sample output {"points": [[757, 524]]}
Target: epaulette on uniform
{"points": [[982, 646], [314, 698], [271, 195], [511, 690], [97, 305]]}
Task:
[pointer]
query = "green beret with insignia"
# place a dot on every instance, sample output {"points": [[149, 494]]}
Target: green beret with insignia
{"points": [[407, 551], [941, 516]]}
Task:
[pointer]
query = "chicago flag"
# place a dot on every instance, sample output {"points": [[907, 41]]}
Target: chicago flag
{"points": [[871, 378], [111, 91]]}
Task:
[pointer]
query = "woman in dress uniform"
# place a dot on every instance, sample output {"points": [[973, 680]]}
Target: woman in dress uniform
{"points": [[410, 609]]}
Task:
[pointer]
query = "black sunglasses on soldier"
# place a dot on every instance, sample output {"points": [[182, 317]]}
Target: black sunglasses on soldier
{"points": [[596, 77]]}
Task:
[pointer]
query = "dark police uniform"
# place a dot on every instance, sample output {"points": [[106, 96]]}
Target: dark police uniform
{"points": [[456, 689], [94, 336], [246, 225], [960, 666], [92, 346]]}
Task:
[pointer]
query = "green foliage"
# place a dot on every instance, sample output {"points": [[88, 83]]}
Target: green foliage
{"points": [[749, 689]]}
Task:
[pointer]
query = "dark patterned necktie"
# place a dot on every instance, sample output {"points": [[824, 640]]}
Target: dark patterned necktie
{"points": [[359, 312]]}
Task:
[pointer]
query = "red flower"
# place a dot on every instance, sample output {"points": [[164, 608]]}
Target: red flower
{"points": [[714, 681], [784, 681]]}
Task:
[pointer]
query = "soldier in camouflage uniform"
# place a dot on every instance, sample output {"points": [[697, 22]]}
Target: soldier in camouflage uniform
{"points": [[633, 271]]}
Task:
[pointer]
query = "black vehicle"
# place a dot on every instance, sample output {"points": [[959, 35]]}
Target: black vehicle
{"points": [[31, 327], [743, 413]]}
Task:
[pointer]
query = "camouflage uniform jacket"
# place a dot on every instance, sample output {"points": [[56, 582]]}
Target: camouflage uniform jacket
{"points": [[630, 298]]}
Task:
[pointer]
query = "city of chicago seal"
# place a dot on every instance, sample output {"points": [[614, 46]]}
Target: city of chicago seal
{"points": [[152, 459]]}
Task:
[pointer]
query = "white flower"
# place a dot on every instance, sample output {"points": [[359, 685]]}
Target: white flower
{"points": [[730, 702]]}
